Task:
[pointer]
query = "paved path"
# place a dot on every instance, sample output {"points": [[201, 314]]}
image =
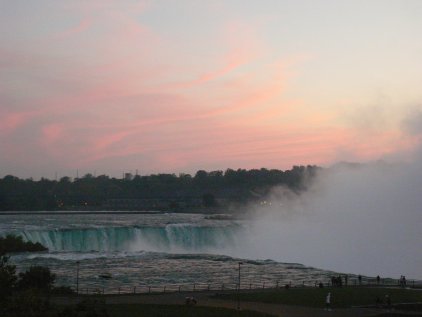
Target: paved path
{"points": [[204, 299]]}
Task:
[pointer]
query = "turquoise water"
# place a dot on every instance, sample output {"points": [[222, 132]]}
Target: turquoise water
{"points": [[149, 250]]}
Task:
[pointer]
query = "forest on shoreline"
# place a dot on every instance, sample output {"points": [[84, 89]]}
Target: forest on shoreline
{"points": [[205, 191]]}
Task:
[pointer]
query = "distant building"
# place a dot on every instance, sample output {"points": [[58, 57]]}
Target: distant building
{"points": [[128, 176]]}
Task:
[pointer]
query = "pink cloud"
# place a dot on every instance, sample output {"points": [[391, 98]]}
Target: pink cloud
{"points": [[254, 95], [107, 140], [9, 122], [52, 133], [205, 143], [112, 133], [229, 67], [376, 145], [81, 27]]}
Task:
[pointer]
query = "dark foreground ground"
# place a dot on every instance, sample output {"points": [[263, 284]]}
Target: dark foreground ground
{"points": [[356, 301]]}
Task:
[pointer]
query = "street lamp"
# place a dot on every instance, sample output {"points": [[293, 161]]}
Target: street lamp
{"points": [[238, 289], [77, 277]]}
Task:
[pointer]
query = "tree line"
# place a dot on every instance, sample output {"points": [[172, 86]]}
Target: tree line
{"points": [[92, 192]]}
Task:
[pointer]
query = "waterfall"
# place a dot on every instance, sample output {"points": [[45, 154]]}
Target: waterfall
{"points": [[172, 237]]}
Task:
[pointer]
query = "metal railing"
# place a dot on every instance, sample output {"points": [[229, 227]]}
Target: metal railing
{"points": [[218, 287]]}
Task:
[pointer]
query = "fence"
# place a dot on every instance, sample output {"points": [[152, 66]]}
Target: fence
{"points": [[216, 287]]}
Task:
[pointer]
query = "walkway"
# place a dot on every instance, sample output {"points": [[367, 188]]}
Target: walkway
{"points": [[204, 299]]}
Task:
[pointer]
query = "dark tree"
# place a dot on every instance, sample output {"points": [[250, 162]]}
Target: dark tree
{"points": [[12, 243], [37, 277], [7, 277], [235, 187], [208, 200]]}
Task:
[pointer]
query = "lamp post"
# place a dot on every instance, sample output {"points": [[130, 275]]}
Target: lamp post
{"points": [[238, 289], [77, 277]]}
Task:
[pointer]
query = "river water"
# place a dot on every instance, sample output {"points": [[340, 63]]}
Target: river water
{"points": [[154, 250]]}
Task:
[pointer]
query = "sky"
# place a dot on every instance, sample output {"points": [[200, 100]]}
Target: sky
{"points": [[166, 86]]}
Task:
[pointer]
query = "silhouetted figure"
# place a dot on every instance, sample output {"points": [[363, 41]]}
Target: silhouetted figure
{"points": [[328, 302], [360, 279], [402, 281], [345, 280], [378, 279]]}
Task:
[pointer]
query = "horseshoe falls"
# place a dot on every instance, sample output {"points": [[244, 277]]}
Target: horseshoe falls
{"points": [[150, 250], [170, 238]]}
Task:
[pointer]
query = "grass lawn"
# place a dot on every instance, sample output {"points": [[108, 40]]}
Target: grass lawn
{"points": [[95, 307], [139, 310], [340, 297]]}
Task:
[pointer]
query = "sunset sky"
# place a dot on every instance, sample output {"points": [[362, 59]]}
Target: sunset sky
{"points": [[175, 86]]}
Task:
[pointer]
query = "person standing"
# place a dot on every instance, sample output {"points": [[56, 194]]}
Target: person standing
{"points": [[328, 302]]}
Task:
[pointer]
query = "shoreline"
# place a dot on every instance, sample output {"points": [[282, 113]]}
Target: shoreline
{"points": [[14, 213], [119, 212]]}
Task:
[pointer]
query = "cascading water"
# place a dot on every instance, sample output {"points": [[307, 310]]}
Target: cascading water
{"points": [[170, 238]]}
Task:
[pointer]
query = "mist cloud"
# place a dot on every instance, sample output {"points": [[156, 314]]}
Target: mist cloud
{"points": [[361, 219], [412, 123]]}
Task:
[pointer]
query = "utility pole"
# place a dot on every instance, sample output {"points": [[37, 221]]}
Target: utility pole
{"points": [[238, 289], [77, 277]]}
